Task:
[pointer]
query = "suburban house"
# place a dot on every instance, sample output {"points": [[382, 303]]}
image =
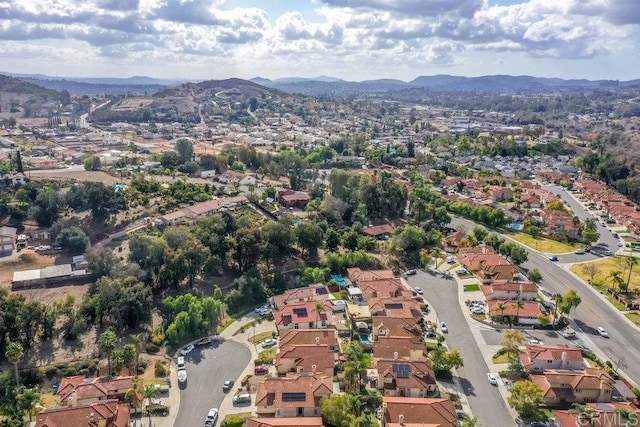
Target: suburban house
{"points": [[527, 315], [418, 411], [399, 348], [285, 422], [599, 415], [453, 241], [293, 199], [561, 387], [106, 413], [509, 290], [539, 358], [501, 194], [530, 201], [492, 272], [383, 326], [356, 275], [405, 378], [293, 396], [395, 307], [316, 292], [309, 336], [303, 315], [379, 232], [78, 390], [7, 240], [385, 287], [306, 358], [201, 210]]}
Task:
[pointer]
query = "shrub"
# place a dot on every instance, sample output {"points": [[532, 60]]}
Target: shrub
{"points": [[157, 337], [233, 421], [151, 348], [31, 377], [142, 366], [161, 370], [635, 391], [50, 372], [162, 410]]}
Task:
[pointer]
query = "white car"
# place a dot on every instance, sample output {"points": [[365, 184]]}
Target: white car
{"points": [[269, 342], [462, 271], [534, 341], [182, 376], [603, 332], [212, 417], [188, 349], [477, 310], [418, 291], [443, 327], [492, 379]]}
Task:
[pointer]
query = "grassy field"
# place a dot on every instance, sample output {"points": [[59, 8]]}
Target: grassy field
{"points": [[471, 288], [545, 245], [634, 317], [606, 266]]}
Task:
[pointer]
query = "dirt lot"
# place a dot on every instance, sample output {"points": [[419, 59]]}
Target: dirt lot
{"points": [[76, 175]]}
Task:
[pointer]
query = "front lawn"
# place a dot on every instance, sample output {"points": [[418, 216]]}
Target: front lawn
{"points": [[545, 245], [471, 288]]}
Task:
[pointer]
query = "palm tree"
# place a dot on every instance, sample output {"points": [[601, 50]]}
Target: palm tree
{"points": [[107, 342], [14, 354], [318, 308], [149, 392], [518, 305], [137, 341], [502, 307], [616, 279], [627, 415], [437, 254], [631, 261], [27, 398], [557, 300], [133, 394]]}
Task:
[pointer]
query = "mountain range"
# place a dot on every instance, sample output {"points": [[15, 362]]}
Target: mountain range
{"points": [[325, 85]]}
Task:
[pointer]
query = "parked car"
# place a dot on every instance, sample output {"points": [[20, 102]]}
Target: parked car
{"points": [[260, 370], [569, 334], [477, 310], [269, 342], [242, 399], [418, 290], [580, 252], [462, 271], [534, 341], [492, 379], [188, 349], [227, 385], [411, 272], [182, 376], [603, 332], [443, 327], [204, 341], [553, 258], [212, 417]]}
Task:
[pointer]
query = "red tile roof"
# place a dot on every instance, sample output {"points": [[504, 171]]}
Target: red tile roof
{"points": [[90, 415], [418, 411]]}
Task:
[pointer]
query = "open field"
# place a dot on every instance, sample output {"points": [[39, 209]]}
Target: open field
{"points": [[543, 244], [606, 266], [85, 176]]}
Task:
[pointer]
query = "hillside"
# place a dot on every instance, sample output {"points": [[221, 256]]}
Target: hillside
{"points": [[19, 99], [13, 85]]}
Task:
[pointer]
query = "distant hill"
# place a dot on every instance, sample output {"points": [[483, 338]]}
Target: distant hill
{"points": [[13, 85], [229, 86], [496, 83]]}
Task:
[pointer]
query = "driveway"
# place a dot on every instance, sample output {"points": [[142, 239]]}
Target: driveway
{"points": [[207, 369], [486, 402]]}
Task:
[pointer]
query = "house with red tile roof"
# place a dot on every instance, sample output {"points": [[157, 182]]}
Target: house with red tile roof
{"points": [[418, 412], [383, 288], [292, 396], [539, 358], [293, 199], [295, 337], [284, 422], [528, 315], [395, 307], [405, 378], [530, 201], [466, 251], [399, 348], [303, 315], [315, 292], [599, 415], [563, 387], [501, 194], [106, 413], [511, 290], [379, 232], [383, 326], [356, 275], [453, 241], [306, 358], [81, 390]]}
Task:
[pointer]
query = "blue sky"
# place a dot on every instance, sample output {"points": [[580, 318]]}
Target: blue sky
{"points": [[349, 39]]}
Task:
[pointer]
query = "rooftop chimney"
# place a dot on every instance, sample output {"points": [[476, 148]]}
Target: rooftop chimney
{"points": [[401, 419], [395, 355]]}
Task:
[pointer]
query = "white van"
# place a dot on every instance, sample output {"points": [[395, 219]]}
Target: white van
{"points": [[181, 363]]}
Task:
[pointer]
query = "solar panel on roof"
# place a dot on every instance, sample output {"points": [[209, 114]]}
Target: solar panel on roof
{"points": [[322, 291], [393, 305], [300, 312], [294, 397]]}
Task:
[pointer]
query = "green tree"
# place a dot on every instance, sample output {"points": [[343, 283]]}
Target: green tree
{"points": [[353, 367], [407, 243], [350, 240], [107, 342], [14, 354], [101, 261], [469, 421], [73, 239], [27, 399], [480, 233], [169, 159], [534, 275], [337, 410], [441, 360], [133, 395], [437, 253], [617, 282], [525, 397], [92, 163], [518, 305], [511, 340], [278, 238], [309, 236], [47, 207], [184, 150], [331, 240], [631, 262], [149, 392], [570, 300]]}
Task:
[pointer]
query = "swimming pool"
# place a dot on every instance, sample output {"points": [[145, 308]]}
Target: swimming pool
{"points": [[516, 227], [339, 280], [364, 339]]}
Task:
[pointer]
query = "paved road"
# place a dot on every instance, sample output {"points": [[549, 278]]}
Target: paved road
{"points": [[485, 401], [606, 235], [622, 348], [207, 370]]}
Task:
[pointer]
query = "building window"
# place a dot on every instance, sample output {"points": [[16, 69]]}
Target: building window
{"points": [[296, 326], [324, 323]]}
